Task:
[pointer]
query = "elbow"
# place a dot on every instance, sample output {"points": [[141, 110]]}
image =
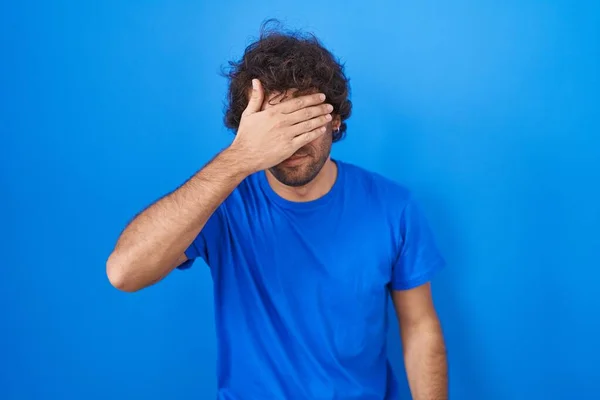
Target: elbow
{"points": [[119, 276]]}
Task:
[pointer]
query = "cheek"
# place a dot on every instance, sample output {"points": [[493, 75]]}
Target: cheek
{"points": [[325, 140], [317, 143], [321, 144], [315, 146]]}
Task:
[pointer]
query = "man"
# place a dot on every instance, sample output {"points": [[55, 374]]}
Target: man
{"points": [[304, 250]]}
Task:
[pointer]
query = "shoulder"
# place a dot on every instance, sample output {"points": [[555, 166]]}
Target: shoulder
{"points": [[247, 195], [380, 201], [376, 186]]}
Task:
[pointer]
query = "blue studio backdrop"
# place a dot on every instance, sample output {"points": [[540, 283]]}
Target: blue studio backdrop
{"points": [[487, 110]]}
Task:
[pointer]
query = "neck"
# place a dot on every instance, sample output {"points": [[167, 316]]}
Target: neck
{"points": [[313, 190]]}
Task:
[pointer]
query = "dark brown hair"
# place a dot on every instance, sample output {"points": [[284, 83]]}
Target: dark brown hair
{"points": [[284, 60]]}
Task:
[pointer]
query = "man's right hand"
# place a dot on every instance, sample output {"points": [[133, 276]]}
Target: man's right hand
{"points": [[154, 242], [266, 138]]}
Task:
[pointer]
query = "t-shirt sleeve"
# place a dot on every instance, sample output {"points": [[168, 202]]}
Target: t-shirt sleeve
{"points": [[206, 240], [418, 257]]}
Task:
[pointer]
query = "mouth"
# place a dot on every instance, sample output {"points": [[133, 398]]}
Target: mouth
{"points": [[295, 160]]}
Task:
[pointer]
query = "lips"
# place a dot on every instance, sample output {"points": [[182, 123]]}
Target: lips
{"points": [[295, 159]]}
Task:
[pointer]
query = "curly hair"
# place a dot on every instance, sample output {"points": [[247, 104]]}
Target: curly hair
{"points": [[282, 61]]}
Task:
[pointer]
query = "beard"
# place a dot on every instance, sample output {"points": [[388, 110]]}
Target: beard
{"points": [[306, 169]]}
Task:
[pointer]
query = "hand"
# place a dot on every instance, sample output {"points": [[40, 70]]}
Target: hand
{"points": [[266, 138]]}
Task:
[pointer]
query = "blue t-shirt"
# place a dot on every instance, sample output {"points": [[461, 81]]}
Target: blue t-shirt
{"points": [[302, 288]]}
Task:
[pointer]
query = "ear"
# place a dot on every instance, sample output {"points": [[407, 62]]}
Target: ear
{"points": [[336, 122]]}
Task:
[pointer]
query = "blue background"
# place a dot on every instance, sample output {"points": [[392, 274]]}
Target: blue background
{"points": [[487, 110]]}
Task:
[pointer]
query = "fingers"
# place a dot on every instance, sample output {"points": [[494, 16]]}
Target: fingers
{"points": [[309, 125], [307, 137], [289, 106], [308, 113], [256, 98]]}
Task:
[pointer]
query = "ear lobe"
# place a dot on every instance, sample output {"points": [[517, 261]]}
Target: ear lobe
{"points": [[336, 122]]}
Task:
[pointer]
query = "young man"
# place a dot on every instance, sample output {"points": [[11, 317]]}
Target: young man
{"points": [[304, 250]]}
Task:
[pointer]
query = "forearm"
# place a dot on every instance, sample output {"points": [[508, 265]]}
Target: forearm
{"points": [[151, 244], [425, 360]]}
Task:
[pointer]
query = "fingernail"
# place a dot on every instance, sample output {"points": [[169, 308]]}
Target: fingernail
{"points": [[322, 96], [254, 84], [329, 108], [328, 117]]}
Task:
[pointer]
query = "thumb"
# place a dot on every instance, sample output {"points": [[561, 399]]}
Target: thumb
{"points": [[256, 98]]}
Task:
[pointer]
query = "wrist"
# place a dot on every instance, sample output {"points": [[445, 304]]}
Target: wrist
{"points": [[238, 164]]}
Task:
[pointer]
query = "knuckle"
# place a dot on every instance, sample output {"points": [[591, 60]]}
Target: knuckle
{"points": [[299, 103]]}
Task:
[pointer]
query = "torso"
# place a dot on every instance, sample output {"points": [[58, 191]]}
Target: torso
{"points": [[301, 290]]}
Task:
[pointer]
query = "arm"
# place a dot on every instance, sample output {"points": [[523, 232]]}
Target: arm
{"points": [[422, 342], [154, 243]]}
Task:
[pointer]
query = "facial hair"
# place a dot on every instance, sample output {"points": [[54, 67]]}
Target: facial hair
{"points": [[302, 174]]}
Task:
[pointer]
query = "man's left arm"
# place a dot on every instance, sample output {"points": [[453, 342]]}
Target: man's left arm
{"points": [[422, 343]]}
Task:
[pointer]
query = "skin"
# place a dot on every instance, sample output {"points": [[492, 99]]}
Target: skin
{"points": [[422, 343], [290, 138], [309, 173]]}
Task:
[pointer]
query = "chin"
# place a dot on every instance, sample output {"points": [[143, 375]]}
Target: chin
{"points": [[299, 171], [295, 176]]}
